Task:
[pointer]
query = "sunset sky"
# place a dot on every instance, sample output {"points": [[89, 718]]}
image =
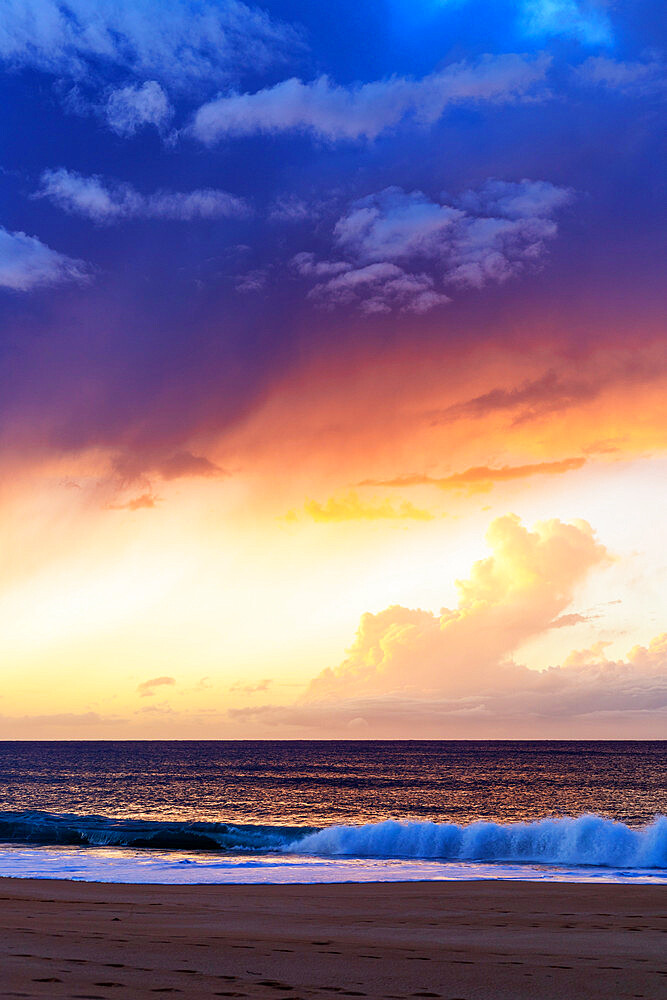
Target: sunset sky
{"points": [[333, 371]]}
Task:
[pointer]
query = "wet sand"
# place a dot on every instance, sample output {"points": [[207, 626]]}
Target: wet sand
{"points": [[454, 940]]}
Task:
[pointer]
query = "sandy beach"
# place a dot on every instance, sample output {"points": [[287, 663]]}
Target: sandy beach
{"points": [[459, 941]]}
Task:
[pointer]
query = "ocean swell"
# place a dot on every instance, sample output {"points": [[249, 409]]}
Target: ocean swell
{"points": [[101, 831], [585, 840]]}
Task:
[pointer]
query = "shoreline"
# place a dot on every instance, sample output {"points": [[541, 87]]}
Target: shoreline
{"points": [[474, 940]]}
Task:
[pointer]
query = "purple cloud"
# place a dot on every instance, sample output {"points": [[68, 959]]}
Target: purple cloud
{"points": [[111, 201], [486, 236]]}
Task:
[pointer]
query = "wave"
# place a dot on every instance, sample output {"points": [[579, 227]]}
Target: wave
{"points": [[584, 840], [71, 830]]}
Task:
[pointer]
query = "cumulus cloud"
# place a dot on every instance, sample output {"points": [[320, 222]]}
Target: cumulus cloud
{"points": [[481, 478], [181, 43], [329, 111], [385, 240], [632, 78], [352, 508], [130, 108], [512, 595], [148, 688], [411, 670], [113, 201], [26, 263]]}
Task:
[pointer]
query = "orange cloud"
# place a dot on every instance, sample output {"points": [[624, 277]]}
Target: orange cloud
{"points": [[513, 404], [511, 596], [147, 688], [482, 478], [414, 672], [146, 500]]}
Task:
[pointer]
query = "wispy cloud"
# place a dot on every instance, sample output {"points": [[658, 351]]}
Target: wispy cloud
{"points": [[128, 109], [532, 398], [177, 42], [145, 501], [106, 201], [480, 479], [27, 263], [638, 78], [585, 20], [148, 688], [333, 112], [257, 688]]}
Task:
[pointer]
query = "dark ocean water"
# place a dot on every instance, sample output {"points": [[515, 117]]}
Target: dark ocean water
{"points": [[322, 783], [544, 803]]}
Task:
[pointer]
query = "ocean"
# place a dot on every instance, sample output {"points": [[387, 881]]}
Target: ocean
{"points": [[292, 811]]}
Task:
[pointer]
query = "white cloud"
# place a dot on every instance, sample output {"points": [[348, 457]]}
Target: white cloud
{"points": [[333, 112], [130, 108], [585, 20], [385, 240], [179, 42], [111, 201], [26, 262]]}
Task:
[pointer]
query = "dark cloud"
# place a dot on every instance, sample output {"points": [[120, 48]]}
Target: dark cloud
{"points": [[183, 464]]}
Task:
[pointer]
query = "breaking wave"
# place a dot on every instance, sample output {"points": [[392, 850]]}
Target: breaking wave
{"points": [[585, 840]]}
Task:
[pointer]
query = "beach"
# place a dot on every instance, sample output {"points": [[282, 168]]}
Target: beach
{"points": [[487, 940]]}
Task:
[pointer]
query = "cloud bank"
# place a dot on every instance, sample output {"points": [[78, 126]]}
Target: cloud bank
{"points": [[412, 670]]}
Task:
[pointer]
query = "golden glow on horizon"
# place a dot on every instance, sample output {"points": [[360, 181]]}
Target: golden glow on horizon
{"points": [[264, 574]]}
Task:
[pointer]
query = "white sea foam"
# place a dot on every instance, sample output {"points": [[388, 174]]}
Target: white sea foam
{"points": [[122, 865]]}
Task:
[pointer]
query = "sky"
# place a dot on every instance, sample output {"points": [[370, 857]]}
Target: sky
{"points": [[332, 369]]}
